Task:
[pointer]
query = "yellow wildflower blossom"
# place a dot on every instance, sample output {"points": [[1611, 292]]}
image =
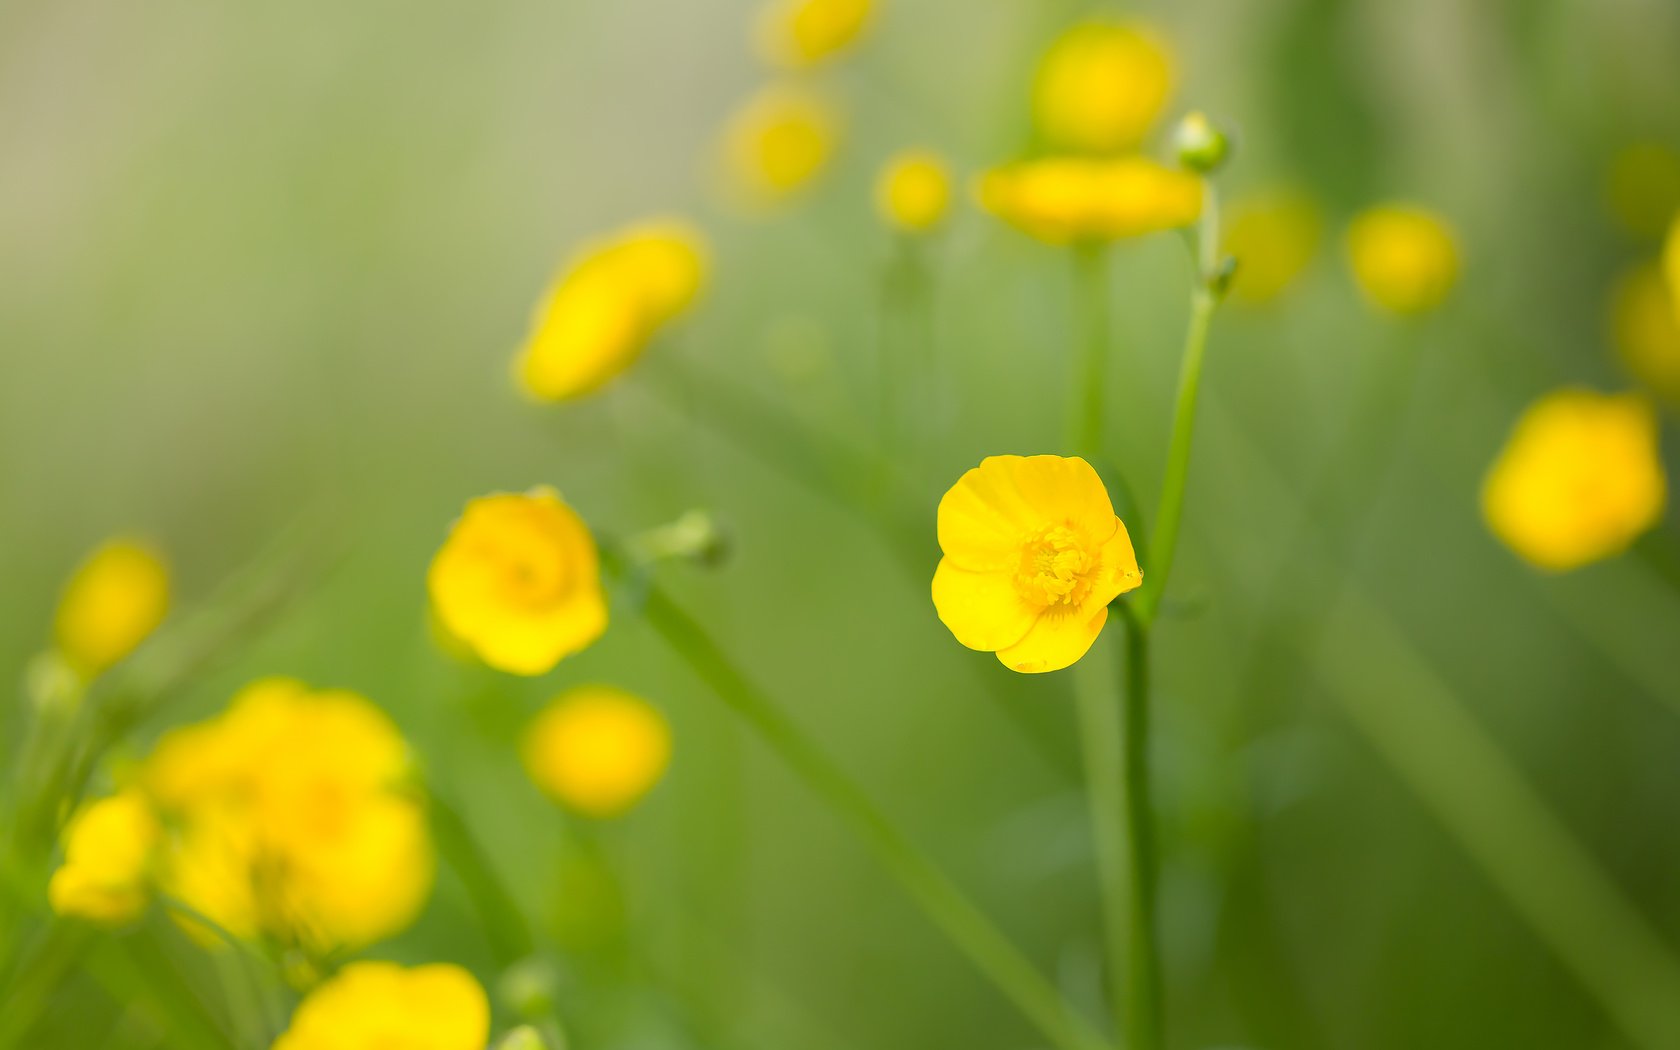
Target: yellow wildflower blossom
{"points": [[597, 749], [799, 34], [1671, 266], [114, 600], [914, 191], [1066, 199], [518, 580], [1642, 187], [1578, 480], [779, 141], [1646, 329], [439, 1006], [1101, 86], [1033, 554], [107, 860], [1405, 259], [1273, 236]]}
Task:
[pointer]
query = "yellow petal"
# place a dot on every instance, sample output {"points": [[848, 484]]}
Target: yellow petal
{"points": [[1056, 640], [983, 609], [984, 516], [1120, 572]]}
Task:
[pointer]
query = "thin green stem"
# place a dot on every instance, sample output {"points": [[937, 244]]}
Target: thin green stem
{"points": [[1142, 1003], [1091, 380], [504, 925], [1102, 736]]}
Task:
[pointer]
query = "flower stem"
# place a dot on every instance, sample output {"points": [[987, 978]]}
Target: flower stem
{"points": [[1141, 1005], [1091, 382]]}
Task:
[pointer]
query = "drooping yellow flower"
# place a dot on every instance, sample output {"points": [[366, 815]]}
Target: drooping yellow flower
{"points": [[1646, 329], [108, 848], [597, 749], [606, 305], [1578, 480], [799, 34], [913, 192], [1101, 86], [1273, 236], [519, 581], [1405, 259], [1061, 200], [1033, 555], [778, 142], [382, 1005], [1642, 187], [114, 600]]}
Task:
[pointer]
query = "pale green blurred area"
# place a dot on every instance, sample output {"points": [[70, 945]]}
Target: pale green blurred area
{"points": [[266, 262]]}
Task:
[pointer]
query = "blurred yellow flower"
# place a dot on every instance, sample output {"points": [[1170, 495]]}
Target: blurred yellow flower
{"points": [[1273, 236], [107, 861], [1646, 329], [1066, 199], [370, 1005], [606, 304], [1642, 187], [1101, 86], [798, 34], [1405, 259], [597, 749], [1578, 480], [114, 600], [1033, 555], [914, 191], [779, 141], [1671, 265], [518, 580]]}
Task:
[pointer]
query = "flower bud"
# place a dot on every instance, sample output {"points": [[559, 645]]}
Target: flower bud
{"points": [[1200, 146]]}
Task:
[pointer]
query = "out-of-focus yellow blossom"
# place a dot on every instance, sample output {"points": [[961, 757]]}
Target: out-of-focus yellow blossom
{"points": [[292, 816], [371, 1005], [1671, 266], [519, 581], [799, 34], [114, 600], [108, 849], [1065, 199], [1642, 187], [914, 191], [606, 304], [1101, 86], [1033, 555], [598, 749], [779, 141], [1404, 258], [1578, 479], [1646, 329], [1273, 236]]}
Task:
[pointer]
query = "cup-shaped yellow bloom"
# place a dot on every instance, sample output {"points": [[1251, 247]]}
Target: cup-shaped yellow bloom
{"points": [[1578, 480], [1405, 259], [1033, 555], [379, 1004], [1642, 187], [1101, 86], [597, 749], [606, 305], [108, 847], [1645, 327], [519, 581], [1061, 200], [778, 142], [913, 192], [799, 34], [114, 600], [1273, 236]]}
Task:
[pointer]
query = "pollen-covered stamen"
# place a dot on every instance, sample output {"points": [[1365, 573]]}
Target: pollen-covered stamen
{"points": [[1057, 567]]}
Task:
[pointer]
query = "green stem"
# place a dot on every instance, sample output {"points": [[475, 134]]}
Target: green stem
{"points": [[1142, 1003], [505, 927], [1091, 381], [1102, 736]]}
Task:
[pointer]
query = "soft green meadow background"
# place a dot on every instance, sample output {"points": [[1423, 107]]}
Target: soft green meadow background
{"points": [[267, 264]]}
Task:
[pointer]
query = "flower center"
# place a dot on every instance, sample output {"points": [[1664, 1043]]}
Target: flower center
{"points": [[533, 582], [1056, 567]]}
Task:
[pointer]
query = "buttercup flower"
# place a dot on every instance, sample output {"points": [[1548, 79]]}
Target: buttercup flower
{"points": [[914, 191], [1101, 86], [779, 141], [1033, 555], [379, 1004], [1578, 479], [798, 34], [606, 305], [108, 849], [1642, 187], [1273, 236], [597, 749], [1404, 258], [1065, 199], [1646, 329], [519, 581], [114, 600]]}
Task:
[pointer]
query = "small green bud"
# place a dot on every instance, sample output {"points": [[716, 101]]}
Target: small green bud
{"points": [[528, 987], [523, 1038], [1200, 146], [1219, 280]]}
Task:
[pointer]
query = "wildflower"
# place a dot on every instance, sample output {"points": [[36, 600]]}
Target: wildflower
{"points": [[1578, 479], [1068, 199], [1101, 86], [379, 1004], [1033, 555], [598, 749], [779, 141], [107, 857], [603, 308], [1645, 327], [1273, 236], [1671, 265], [1404, 258], [914, 191], [799, 34], [1642, 187], [518, 580], [114, 600]]}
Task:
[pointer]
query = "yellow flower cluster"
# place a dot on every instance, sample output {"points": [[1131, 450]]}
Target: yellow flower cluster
{"points": [[1404, 258], [111, 603], [799, 34], [598, 750], [1062, 200], [370, 1005], [1101, 87], [914, 191]]}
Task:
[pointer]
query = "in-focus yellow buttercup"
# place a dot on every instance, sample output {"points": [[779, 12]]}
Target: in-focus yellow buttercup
{"points": [[108, 848], [1062, 200], [913, 192], [778, 142], [1645, 329], [597, 749], [111, 603], [519, 581], [1642, 187], [799, 34], [1101, 86], [1273, 235], [1033, 554], [1578, 480], [604, 307], [1405, 259], [382, 1005]]}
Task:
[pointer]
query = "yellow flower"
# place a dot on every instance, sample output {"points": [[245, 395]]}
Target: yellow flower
{"points": [[114, 600], [379, 1004], [1578, 479], [1273, 237], [914, 191], [1033, 555], [1404, 258], [778, 142], [107, 859], [1671, 266], [519, 581], [1101, 86], [604, 307], [1646, 329], [598, 749], [1642, 187], [1065, 199], [799, 34]]}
